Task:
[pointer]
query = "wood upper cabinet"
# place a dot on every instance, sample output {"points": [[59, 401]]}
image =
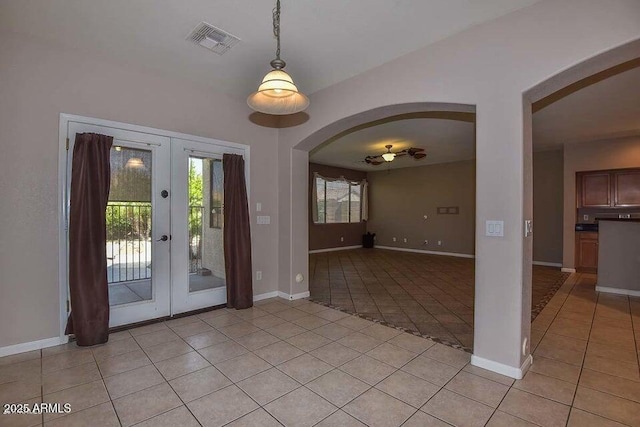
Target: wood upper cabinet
{"points": [[608, 189], [596, 190], [626, 188]]}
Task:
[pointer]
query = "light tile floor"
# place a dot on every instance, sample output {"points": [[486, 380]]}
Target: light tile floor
{"points": [[302, 364], [430, 294]]}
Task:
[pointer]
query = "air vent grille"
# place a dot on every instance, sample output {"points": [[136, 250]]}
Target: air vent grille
{"points": [[212, 38]]}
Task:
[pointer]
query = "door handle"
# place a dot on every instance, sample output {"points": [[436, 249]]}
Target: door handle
{"points": [[163, 238]]}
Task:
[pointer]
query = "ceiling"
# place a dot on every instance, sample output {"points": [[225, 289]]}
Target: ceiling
{"points": [[445, 140], [607, 109], [320, 38]]}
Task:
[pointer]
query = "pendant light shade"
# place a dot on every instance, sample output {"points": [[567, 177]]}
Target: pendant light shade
{"points": [[277, 94]]}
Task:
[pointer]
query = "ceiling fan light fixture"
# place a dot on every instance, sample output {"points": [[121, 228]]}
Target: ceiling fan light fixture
{"points": [[388, 157], [277, 94]]}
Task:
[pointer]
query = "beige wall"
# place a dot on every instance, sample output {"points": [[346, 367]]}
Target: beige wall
{"points": [[37, 83], [399, 214], [323, 236], [547, 206], [399, 199], [589, 156], [490, 66]]}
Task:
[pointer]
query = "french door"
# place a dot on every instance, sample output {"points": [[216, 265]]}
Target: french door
{"points": [[163, 224]]}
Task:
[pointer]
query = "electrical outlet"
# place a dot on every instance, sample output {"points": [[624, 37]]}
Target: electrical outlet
{"points": [[426, 242], [439, 242], [585, 217], [259, 275], [341, 239], [405, 240], [425, 216], [394, 239]]}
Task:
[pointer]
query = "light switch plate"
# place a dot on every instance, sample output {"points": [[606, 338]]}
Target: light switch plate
{"points": [[494, 228], [264, 220], [258, 207]]}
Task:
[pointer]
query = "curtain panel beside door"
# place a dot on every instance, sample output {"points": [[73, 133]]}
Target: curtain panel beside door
{"points": [[89, 294], [237, 234]]}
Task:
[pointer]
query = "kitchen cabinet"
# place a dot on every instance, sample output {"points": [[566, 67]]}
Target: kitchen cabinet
{"points": [[586, 252], [626, 188], [608, 189], [595, 190]]}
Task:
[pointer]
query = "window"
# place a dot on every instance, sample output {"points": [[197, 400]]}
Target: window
{"points": [[216, 195], [338, 201]]}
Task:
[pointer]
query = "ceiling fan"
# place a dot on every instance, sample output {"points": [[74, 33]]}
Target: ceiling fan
{"points": [[389, 156]]}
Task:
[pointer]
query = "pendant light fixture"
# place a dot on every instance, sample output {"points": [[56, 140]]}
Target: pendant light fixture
{"points": [[277, 94]]}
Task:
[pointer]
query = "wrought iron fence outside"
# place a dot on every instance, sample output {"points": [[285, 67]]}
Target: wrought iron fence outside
{"points": [[196, 224], [129, 240]]}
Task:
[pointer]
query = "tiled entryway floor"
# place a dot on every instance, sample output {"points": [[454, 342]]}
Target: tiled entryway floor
{"points": [[430, 294], [302, 364]]}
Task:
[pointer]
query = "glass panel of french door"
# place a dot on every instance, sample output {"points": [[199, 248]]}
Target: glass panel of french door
{"points": [[198, 271], [137, 218]]}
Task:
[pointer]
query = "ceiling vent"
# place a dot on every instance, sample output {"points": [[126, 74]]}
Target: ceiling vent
{"points": [[212, 38]]}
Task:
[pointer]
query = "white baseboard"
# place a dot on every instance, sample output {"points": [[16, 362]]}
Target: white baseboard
{"points": [[280, 294], [423, 251], [266, 295], [618, 291], [341, 248], [292, 297], [547, 264], [32, 345], [501, 368], [568, 270]]}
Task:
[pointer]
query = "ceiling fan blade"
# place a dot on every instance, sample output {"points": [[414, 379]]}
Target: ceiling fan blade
{"points": [[400, 154], [413, 151], [375, 162], [419, 156]]}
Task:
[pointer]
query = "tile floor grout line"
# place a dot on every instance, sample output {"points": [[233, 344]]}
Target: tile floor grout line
{"points": [[41, 385], [555, 316], [113, 406], [633, 332]]}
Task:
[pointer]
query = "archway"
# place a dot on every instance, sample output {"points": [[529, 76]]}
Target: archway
{"points": [[457, 71]]}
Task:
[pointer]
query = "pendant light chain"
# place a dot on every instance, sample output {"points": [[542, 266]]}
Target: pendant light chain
{"points": [[277, 94], [276, 27]]}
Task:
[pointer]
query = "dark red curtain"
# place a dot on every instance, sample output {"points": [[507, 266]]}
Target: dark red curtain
{"points": [[90, 180], [237, 234]]}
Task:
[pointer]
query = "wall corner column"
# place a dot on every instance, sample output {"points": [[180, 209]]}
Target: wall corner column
{"points": [[503, 264]]}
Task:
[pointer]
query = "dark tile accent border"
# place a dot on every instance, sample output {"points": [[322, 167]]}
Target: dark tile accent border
{"points": [[545, 300], [384, 323], [534, 313]]}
